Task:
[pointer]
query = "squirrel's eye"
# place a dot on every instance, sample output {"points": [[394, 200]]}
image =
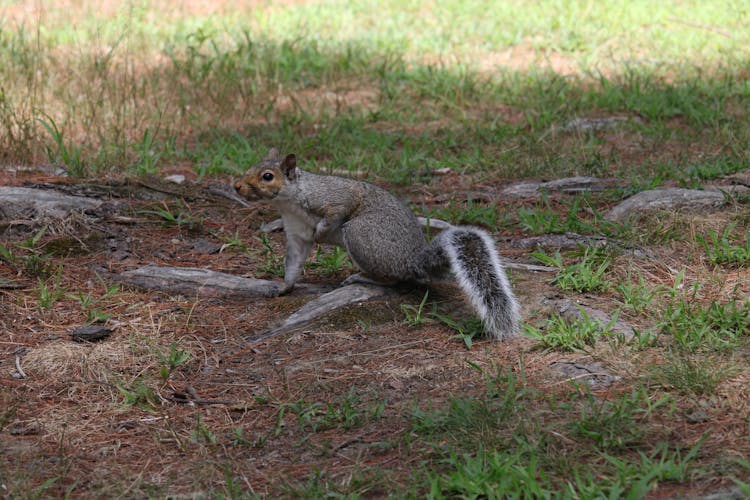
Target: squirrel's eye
{"points": [[268, 176]]}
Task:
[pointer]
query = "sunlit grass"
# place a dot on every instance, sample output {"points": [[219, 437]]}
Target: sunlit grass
{"points": [[391, 87]]}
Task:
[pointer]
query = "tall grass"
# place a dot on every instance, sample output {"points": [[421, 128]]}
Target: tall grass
{"points": [[391, 86]]}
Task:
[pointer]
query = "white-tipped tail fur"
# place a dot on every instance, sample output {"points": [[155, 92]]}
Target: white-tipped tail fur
{"points": [[476, 264]]}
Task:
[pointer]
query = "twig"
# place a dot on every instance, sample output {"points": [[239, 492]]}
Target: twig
{"points": [[18, 367]]}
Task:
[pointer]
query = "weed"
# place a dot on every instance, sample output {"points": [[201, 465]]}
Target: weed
{"points": [[475, 214], [416, 316], [273, 262], [331, 261], [172, 360], [721, 251], [715, 326], [486, 473], [48, 295], [477, 421], [637, 296], [147, 156], [466, 330], [585, 276], [619, 424], [561, 333], [543, 219], [202, 433], [88, 304], [633, 479], [178, 216], [659, 466], [28, 256], [234, 242], [346, 412], [139, 394], [70, 156], [690, 374]]}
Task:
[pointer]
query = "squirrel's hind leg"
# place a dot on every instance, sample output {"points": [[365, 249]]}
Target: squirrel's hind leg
{"points": [[361, 278]]}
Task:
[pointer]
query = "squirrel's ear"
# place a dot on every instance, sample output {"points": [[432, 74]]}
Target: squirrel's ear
{"points": [[273, 154], [289, 166]]}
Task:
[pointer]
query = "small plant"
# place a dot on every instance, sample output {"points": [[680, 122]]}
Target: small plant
{"points": [[234, 242], [174, 359], [48, 295], [93, 314], [561, 333], [615, 425], [148, 157], [331, 262], [345, 413], [721, 251], [176, 217], [140, 395], [27, 256], [201, 433], [714, 326], [273, 263], [416, 316], [689, 374], [466, 330], [473, 213], [477, 421], [636, 479], [543, 219], [585, 276], [637, 296], [484, 474], [70, 156]]}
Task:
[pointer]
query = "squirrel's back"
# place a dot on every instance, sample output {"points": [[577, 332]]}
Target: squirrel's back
{"points": [[381, 234]]}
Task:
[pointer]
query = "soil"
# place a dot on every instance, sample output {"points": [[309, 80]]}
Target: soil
{"points": [[110, 417]]}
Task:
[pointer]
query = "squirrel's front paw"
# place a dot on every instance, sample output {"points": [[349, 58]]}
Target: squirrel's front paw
{"points": [[285, 289]]}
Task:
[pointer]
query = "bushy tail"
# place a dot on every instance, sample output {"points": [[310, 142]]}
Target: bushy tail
{"points": [[473, 258]]}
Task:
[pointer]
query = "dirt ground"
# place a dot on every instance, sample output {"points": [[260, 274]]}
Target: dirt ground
{"points": [[111, 418]]}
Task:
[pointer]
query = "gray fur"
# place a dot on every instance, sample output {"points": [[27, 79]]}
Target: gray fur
{"points": [[385, 241]]}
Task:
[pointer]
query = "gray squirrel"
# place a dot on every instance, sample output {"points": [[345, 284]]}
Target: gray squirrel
{"points": [[382, 237]]}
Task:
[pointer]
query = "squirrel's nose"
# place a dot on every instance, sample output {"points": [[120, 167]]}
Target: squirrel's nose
{"points": [[237, 186]]}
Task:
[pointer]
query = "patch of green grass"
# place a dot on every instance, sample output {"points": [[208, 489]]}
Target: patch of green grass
{"points": [[691, 374], [416, 315], [202, 434], [66, 154], [617, 424], [466, 330], [48, 294], [715, 326], [273, 262], [565, 334], [347, 412], [138, 394], [487, 420], [545, 219], [638, 296], [721, 250], [585, 276], [218, 91], [488, 472], [471, 213], [179, 216], [331, 260]]}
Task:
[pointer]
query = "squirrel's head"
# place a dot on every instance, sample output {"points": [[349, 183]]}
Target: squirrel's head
{"points": [[268, 177]]}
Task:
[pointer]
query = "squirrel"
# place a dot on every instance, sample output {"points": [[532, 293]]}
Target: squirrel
{"points": [[382, 237]]}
